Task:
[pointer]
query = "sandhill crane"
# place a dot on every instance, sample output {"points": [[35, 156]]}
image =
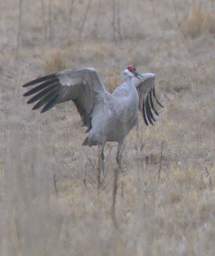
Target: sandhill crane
{"points": [[107, 116]]}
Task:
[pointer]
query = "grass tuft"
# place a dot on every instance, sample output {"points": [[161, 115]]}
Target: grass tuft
{"points": [[199, 21]]}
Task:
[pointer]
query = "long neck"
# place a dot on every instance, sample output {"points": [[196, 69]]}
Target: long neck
{"points": [[130, 82]]}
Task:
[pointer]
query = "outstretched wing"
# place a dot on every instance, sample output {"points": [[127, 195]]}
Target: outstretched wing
{"points": [[148, 100], [81, 86]]}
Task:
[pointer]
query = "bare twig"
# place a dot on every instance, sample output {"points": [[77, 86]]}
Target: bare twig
{"points": [[176, 14], [115, 188], [161, 160], [122, 189], [55, 184], [50, 20], [2, 171], [153, 7], [90, 161], [139, 139], [118, 20], [98, 18], [44, 20], [114, 20], [85, 178], [19, 33], [17, 238], [83, 22], [71, 9], [208, 175]]}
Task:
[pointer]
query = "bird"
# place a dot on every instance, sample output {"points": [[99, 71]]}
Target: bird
{"points": [[107, 116]]}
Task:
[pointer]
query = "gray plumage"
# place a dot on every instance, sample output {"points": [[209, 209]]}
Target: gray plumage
{"points": [[107, 116]]}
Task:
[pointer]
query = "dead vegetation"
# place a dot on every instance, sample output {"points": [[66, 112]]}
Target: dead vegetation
{"points": [[199, 21], [54, 61]]}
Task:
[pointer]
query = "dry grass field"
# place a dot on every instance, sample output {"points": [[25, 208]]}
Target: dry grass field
{"points": [[49, 203]]}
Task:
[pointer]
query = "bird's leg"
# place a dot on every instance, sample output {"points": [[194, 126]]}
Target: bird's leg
{"points": [[139, 138], [114, 195], [138, 135], [115, 183], [119, 154], [100, 163]]}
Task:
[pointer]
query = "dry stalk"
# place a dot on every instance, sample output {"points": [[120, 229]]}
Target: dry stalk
{"points": [[118, 20], [161, 160], [207, 174], [50, 11], [55, 184], [19, 34], [98, 18], [114, 20], [71, 10], [83, 21], [44, 20], [16, 235], [115, 189]]}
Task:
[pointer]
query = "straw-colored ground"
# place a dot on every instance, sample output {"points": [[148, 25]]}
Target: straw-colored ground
{"points": [[49, 204]]}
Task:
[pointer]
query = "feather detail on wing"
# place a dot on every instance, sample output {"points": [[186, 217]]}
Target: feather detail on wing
{"points": [[148, 100], [81, 86]]}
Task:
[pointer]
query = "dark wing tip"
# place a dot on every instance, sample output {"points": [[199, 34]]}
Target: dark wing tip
{"points": [[41, 86], [154, 95], [147, 114], [152, 103], [148, 110], [45, 90], [39, 79], [46, 99], [151, 116], [144, 114], [43, 93], [50, 104]]}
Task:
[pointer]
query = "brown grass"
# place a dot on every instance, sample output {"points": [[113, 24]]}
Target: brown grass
{"points": [[54, 61], [199, 21], [113, 80]]}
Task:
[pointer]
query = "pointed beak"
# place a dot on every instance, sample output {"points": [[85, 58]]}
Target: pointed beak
{"points": [[138, 75]]}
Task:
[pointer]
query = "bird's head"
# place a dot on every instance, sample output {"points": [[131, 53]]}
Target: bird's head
{"points": [[130, 72]]}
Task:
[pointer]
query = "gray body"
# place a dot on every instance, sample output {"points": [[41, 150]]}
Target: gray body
{"points": [[114, 115]]}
